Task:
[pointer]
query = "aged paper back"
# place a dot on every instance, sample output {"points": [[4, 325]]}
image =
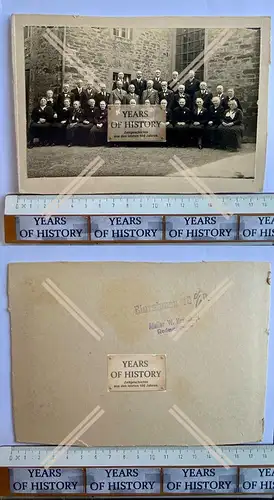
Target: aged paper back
{"points": [[123, 354]]}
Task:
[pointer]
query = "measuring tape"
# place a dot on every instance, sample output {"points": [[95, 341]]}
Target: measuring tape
{"points": [[140, 219]]}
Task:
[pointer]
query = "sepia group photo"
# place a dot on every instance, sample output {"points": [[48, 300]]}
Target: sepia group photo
{"points": [[136, 97]]}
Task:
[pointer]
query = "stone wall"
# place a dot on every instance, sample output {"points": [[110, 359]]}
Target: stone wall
{"points": [[236, 64]]}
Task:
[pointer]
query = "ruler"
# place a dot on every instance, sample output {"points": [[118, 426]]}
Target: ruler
{"points": [[96, 219], [139, 204], [27, 456]]}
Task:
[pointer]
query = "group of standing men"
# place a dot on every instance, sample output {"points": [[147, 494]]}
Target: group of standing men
{"points": [[79, 116]]}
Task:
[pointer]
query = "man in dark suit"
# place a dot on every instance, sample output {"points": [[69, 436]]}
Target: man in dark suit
{"points": [[118, 93], [181, 121], [131, 95], [78, 91], [174, 81], [41, 123], [121, 78], [157, 81], [204, 94], [60, 125], [181, 94], [166, 94], [65, 94], [98, 133], [51, 101], [215, 116], [139, 83], [103, 95], [192, 85], [150, 93], [231, 97], [87, 94], [220, 94]]}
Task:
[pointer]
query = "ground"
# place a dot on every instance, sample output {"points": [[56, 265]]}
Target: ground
{"points": [[60, 161]]}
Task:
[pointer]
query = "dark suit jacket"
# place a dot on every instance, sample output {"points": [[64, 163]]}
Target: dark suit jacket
{"points": [[181, 115], [100, 97], [64, 114], [46, 113], [76, 116], [129, 96], [101, 117], [85, 96], [206, 98], [192, 87], [78, 96], [226, 100], [168, 95], [215, 115], [125, 85], [157, 85], [176, 100], [202, 118], [89, 114], [152, 95], [237, 120], [62, 96], [169, 116], [53, 104], [222, 99], [139, 86]]}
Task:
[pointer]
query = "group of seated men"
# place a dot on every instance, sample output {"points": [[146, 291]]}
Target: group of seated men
{"points": [[79, 116]]}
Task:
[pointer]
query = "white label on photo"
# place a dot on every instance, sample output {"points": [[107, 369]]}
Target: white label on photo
{"points": [[136, 372], [257, 227], [51, 228], [201, 228], [203, 480], [123, 481], [255, 480], [126, 228], [46, 481]]}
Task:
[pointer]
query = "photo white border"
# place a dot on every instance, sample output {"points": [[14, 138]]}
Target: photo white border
{"points": [[136, 184]]}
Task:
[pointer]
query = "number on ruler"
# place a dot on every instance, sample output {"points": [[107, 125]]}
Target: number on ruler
{"points": [[152, 457], [154, 205]]}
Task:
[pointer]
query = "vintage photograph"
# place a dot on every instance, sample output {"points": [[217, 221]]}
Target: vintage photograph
{"points": [[141, 104]]}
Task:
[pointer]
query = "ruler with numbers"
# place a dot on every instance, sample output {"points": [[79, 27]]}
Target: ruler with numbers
{"points": [[140, 219], [27, 456]]}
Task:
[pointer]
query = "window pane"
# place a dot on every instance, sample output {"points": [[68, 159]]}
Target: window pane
{"points": [[123, 33]]}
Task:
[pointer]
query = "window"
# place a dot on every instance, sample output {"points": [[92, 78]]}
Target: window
{"points": [[127, 77], [189, 44], [125, 33]]}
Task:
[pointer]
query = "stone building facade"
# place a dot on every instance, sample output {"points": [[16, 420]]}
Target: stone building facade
{"points": [[98, 54]]}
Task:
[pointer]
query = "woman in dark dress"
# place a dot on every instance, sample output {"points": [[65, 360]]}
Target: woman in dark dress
{"points": [[41, 122], [59, 127], [198, 122], [231, 128], [98, 133]]}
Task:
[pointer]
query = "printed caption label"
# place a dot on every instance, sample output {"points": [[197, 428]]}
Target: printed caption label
{"points": [[256, 480], [126, 228], [195, 228], [123, 481], [71, 228], [257, 228], [136, 372], [195, 481], [44, 481]]}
